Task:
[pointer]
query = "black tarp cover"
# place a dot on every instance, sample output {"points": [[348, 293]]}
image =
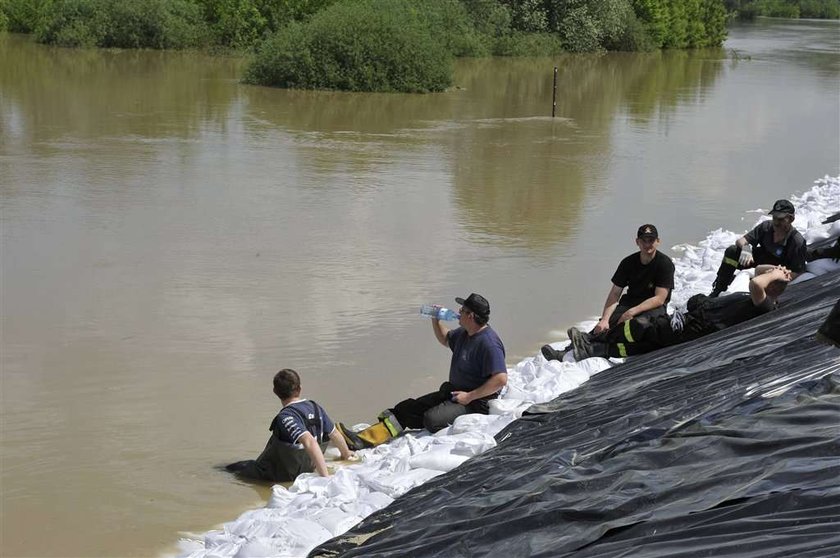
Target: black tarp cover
{"points": [[726, 446]]}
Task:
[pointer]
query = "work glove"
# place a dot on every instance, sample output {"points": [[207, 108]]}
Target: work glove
{"points": [[677, 321], [746, 257]]}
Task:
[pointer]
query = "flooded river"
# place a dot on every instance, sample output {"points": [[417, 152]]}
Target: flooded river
{"points": [[171, 238]]}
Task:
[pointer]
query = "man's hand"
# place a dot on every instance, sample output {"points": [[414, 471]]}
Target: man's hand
{"points": [[627, 316], [745, 260], [461, 397], [782, 273], [601, 326]]}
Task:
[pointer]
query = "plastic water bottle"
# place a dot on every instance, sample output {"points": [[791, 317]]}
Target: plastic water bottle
{"points": [[439, 313]]}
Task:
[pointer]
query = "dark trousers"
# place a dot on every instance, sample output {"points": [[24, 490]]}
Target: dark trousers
{"points": [[435, 411], [643, 335], [622, 308], [278, 462]]}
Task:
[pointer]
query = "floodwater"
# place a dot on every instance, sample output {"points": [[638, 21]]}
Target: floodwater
{"points": [[171, 238]]}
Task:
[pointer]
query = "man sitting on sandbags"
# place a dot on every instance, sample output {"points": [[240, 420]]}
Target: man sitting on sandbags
{"points": [[705, 315]]}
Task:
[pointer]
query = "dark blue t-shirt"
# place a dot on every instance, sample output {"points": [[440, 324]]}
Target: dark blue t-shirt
{"points": [[298, 417], [474, 358]]}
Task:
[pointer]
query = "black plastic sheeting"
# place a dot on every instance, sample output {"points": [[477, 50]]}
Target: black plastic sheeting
{"points": [[725, 446]]}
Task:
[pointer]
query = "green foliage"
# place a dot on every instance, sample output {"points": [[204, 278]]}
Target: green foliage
{"points": [[4, 20], [822, 9], [749, 9], [244, 23], [450, 23], [683, 23], [489, 18], [493, 22], [22, 16], [358, 45], [122, 23], [589, 25], [777, 8], [527, 44]]}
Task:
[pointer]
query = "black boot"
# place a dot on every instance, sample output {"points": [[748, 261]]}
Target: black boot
{"points": [[550, 353], [580, 343]]}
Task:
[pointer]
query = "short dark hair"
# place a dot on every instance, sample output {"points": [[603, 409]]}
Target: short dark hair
{"points": [[286, 383]]}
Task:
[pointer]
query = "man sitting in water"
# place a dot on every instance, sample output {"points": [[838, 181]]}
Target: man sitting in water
{"points": [[648, 276], [299, 435], [477, 372], [773, 242], [705, 315]]}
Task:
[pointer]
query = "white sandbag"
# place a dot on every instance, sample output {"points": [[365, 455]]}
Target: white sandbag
{"points": [[280, 497], [508, 406], [370, 502], [399, 483], [438, 460], [335, 520], [261, 548]]}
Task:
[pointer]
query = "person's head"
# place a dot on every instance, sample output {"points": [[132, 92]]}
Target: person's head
{"points": [[783, 214], [775, 289], [286, 384], [474, 310], [647, 239]]}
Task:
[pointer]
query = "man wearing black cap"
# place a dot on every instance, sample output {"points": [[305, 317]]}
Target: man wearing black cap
{"points": [[705, 315], [648, 276], [773, 242], [477, 372]]}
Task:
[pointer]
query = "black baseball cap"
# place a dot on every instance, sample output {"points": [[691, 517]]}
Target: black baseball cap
{"points": [[647, 231], [784, 207], [477, 304]]}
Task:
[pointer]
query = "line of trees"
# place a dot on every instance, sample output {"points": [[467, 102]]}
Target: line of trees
{"points": [[817, 9], [376, 45], [500, 27]]}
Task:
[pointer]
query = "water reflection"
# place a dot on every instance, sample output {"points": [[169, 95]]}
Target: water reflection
{"points": [[518, 178], [522, 181], [55, 92]]}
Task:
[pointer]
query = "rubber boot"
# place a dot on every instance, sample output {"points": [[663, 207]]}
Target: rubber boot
{"points": [[550, 353], [383, 431], [726, 271]]}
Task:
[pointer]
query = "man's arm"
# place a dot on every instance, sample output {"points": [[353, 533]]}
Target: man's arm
{"points": [[657, 300], [764, 275], [315, 454], [612, 301], [492, 385], [338, 441], [440, 331]]}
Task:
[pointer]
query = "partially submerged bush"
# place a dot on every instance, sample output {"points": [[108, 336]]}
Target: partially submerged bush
{"points": [[123, 24], [361, 45]]}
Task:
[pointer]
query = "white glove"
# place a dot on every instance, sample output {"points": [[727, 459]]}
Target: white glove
{"points": [[677, 321], [746, 258]]}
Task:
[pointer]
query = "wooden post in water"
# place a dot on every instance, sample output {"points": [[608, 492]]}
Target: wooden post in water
{"points": [[554, 94]]}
